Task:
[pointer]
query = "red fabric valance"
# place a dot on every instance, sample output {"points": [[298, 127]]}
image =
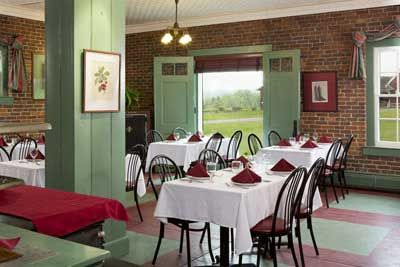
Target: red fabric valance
{"points": [[245, 62]]}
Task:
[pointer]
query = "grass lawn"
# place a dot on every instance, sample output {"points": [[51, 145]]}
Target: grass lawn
{"points": [[232, 115], [388, 128]]}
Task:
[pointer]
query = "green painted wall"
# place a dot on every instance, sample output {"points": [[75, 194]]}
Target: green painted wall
{"points": [[84, 151]]}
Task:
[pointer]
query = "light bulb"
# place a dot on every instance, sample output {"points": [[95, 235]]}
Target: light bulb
{"points": [[185, 39], [167, 38]]}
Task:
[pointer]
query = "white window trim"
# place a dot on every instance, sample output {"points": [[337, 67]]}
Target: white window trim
{"points": [[377, 95]]}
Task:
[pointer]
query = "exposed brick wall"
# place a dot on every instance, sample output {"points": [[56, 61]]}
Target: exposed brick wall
{"points": [[25, 109], [325, 44]]}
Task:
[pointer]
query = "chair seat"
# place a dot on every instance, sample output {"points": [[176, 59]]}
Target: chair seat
{"points": [[265, 226], [303, 213]]}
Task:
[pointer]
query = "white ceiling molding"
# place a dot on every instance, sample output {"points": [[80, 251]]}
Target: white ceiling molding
{"points": [[16, 11], [263, 14]]}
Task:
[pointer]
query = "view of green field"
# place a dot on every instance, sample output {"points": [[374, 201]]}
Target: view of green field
{"points": [[387, 128]]}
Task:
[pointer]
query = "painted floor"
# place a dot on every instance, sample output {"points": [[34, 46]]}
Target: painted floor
{"points": [[362, 230]]}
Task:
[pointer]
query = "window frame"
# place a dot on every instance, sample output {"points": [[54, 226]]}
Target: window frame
{"points": [[373, 147]]}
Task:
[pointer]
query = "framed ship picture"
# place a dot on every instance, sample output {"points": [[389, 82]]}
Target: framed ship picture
{"points": [[319, 91]]}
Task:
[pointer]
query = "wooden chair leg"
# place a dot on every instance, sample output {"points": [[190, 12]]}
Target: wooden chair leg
{"points": [[298, 234], [181, 242], [310, 227], [259, 252], [240, 260], [273, 251], [208, 229], [334, 189], [279, 242], [290, 240], [160, 237], [189, 258], [232, 241], [135, 195]]}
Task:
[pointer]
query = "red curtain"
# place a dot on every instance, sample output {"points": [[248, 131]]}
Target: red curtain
{"points": [[244, 62]]}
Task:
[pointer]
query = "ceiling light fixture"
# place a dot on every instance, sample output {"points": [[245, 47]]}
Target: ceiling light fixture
{"points": [[176, 32]]}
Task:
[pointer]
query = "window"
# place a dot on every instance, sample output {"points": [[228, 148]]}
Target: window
{"points": [[3, 70], [387, 96]]}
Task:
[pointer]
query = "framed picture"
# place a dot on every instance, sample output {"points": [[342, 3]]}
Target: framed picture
{"points": [[101, 90], [38, 77], [319, 91]]}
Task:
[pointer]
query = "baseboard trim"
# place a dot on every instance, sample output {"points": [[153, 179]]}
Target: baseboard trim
{"points": [[375, 181], [118, 247]]}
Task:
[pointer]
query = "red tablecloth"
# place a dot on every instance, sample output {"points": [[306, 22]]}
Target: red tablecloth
{"points": [[58, 213]]}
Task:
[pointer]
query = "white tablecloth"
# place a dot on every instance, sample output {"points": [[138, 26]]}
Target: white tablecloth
{"points": [[141, 190], [33, 173], [294, 154], [181, 152], [41, 148], [218, 203]]}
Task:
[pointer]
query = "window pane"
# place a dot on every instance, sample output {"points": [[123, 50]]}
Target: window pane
{"points": [[389, 83], [388, 61], [387, 107], [275, 64], [181, 69], [168, 68], [388, 130], [287, 64]]}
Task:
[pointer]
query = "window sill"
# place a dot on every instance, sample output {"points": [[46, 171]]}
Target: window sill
{"points": [[6, 100], [381, 151]]}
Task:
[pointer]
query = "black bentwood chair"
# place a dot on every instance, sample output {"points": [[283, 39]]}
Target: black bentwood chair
{"points": [[215, 141], [4, 156], [182, 132], [255, 143], [25, 146], [233, 146], [133, 169], [153, 136], [169, 171], [341, 166], [328, 173], [305, 211], [273, 138], [281, 222]]}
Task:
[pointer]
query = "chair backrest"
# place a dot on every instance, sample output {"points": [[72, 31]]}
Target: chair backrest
{"points": [[153, 136], [182, 132], [215, 141], [254, 143], [140, 150], [273, 138], [132, 170], [165, 168], [234, 143], [346, 143], [313, 176], [4, 156], [333, 153], [289, 198], [208, 155], [21, 149]]}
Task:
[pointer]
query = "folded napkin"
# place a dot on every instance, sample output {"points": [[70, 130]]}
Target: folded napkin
{"points": [[171, 137], [246, 176], [284, 142], [243, 160], [3, 142], [309, 144], [39, 155], [198, 170], [199, 134], [41, 140], [325, 139], [283, 166], [9, 243], [195, 138]]}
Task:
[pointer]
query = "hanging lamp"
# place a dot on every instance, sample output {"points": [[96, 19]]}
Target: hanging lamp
{"points": [[176, 32]]}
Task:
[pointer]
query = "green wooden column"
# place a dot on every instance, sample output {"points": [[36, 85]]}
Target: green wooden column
{"points": [[84, 151]]}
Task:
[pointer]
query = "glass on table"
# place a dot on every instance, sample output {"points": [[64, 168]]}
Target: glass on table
{"points": [[306, 137], [211, 169], [315, 136], [177, 136], [292, 140], [34, 153], [236, 166]]}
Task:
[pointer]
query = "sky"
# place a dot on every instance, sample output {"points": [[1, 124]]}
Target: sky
{"points": [[222, 83]]}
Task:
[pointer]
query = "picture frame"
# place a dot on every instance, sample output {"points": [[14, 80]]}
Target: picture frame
{"points": [[102, 81], [38, 76], [319, 91]]}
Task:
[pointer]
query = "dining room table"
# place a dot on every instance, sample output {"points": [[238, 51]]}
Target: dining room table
{"points": [[32, 172], [182, 152], [141, 188], [224, 203]]}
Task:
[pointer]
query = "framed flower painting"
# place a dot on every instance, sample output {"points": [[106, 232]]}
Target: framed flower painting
{"points": [[102, 72]]}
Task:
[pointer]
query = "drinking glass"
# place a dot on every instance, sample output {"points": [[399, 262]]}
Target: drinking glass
{"points": [[211, 169], [236, 166], [315, 136], [34, 153], [306, 137], [292, 140], [189, 134], [177, 136], [266, 158]]}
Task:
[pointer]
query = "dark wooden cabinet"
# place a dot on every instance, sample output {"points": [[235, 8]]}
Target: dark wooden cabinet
{"points": [[136, 127]]}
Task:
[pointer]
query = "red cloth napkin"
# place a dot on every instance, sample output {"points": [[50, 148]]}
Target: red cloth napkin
{"points": [[9, 243], [325, 139], [198, 170], [243, 160], [41, 140], [309, 144], [195, 138], [246, 176], [283, 166], [39, 155], [284, 142], [171, 137], [56, 212], [199, 134], [3, 142]]}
